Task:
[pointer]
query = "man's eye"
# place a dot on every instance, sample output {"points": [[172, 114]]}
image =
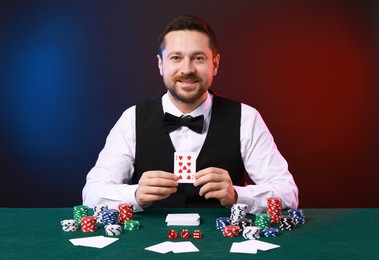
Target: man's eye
{"points": [[199, 58], [175, 58]]}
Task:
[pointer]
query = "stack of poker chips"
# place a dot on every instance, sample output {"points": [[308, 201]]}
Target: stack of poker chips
{"points": [[298, 214], [222, 222], [80, 211], [238, 212], [131, 225], [110, 217], [98, 211], [126, 212], [245, 222], [89, 224], [251, 233], [270, 232], [262, 220], [69, 225], [287, 223], [231, 231], [274, 209], [113, 230]]}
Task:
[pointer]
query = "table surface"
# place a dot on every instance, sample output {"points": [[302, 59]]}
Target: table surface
{"points": [[36, 233]]}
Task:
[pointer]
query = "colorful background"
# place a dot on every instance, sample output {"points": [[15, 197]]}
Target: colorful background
{"points": [[68, 69]]}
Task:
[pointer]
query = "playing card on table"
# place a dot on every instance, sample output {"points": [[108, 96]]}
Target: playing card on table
{"points": [[185, 166]]}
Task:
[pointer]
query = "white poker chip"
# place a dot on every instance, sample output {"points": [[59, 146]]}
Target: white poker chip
{"points": [[69, 225], [113, 230], [251, 232]]}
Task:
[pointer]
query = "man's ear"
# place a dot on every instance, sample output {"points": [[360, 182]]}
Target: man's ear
{"points": [[160, 65], [216, 64]]}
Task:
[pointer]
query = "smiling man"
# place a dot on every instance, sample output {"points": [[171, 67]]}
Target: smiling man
{"points": [[229, 139], [187, 66]]}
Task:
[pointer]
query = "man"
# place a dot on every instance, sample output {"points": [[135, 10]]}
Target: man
{"points": [[232, 140]]}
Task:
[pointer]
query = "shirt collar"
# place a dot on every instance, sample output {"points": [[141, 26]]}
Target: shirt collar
{"points": [[203, 109]]}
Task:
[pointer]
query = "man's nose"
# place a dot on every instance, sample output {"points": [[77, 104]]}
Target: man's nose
{"points": [[187, 66]]}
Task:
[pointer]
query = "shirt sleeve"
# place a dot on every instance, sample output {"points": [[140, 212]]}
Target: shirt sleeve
{"points": [[108, 181], [266, 167]]}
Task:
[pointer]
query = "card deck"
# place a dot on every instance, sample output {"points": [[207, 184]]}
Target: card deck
{"points": [[185, 166]]}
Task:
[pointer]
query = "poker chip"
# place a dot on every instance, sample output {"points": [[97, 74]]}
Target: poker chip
{"points": [[274, 209], [270, 232], [69, 225], [262, 220], [245, 222], [185, 234], [238, 212], [172, 234], [98, 211], [251, 232], [126, 212], [287, 223], [88, 224], [80, 211], [197, 234], [231, 231], [298, 214], [222, 222], [113, 230], [110, 217], [131, 225]]}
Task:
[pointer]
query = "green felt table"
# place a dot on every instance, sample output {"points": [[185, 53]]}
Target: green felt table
{"points": [[36, 233]]}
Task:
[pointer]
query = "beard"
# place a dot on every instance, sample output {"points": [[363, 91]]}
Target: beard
{"points": [[188, 95]]}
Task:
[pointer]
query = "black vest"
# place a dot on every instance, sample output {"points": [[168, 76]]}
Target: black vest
{"points": [[154, 150]]}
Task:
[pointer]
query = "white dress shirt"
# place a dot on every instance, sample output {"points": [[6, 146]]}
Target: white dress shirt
{"points": [[107, 180]]}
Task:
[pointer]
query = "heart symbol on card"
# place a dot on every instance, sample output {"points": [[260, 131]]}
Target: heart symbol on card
{"points": [[189, 171], [189, 157], [180, 177], [184, 168], [180, 171], [180, 163], [189, 163], [180, 157], [188, 177]]}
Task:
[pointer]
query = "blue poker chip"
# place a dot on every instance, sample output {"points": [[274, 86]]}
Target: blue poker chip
{"points": [[110, 217], [270, 232], [222, 222]]}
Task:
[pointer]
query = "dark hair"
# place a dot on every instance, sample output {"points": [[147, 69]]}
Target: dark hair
{"points": [[190, 23]]}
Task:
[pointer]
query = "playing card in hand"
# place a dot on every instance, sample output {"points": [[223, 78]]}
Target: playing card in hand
{"points": [[185, 166]]}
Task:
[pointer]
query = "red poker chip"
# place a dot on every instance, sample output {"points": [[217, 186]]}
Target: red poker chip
{"points": [[88, 224], [231, 231], [274, 209], [126, 212]]}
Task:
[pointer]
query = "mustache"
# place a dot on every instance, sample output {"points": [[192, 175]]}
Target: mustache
{"points": [[190, 76]]}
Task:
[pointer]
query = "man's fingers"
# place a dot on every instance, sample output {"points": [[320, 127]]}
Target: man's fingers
{"points": [[157, 182], [211, 175], [154, 186], [153, 190], [211, 187], [160, 175]]}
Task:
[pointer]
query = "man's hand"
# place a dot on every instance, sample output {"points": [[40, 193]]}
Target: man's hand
{"points": [[216, 183], [154, 186]]}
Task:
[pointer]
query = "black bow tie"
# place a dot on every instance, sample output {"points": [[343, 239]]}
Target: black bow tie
{"points": [[171, 122]]}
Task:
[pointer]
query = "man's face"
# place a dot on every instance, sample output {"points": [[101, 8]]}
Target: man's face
{"points": [[187, 66]]}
